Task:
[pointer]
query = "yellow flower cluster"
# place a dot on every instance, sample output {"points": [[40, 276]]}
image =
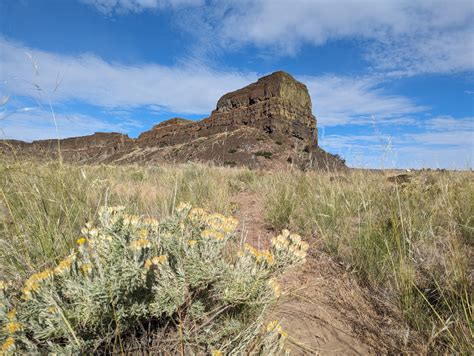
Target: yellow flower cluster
{"points": [[33, 283], [138, 245], [11, 314], [192, 243], [133, 220], [89, 230], [183, 207], [3, 285], [212, 234], [12, 327], [197, 215], [52, 310], [219, 222], [81, 241], [64, 265], [155, 261], [153, 223], [8, 344], [275, 287], [260, 255], [274, 326], [86, 268], [292, 243], [217, 353]]}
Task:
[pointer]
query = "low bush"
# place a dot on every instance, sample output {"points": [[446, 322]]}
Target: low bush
{"points": [[265, 154], [182, 283]]}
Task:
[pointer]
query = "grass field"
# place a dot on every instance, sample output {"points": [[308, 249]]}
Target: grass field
{"points": [[413, 242]]}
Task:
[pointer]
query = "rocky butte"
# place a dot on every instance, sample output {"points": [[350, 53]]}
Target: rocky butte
{"points": [[268, 124]]}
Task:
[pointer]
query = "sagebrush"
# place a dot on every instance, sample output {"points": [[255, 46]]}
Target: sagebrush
{"points": [[179, 285]]}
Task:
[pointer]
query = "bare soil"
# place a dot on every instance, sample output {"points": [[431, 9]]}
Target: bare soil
{"points": [[324, 307]]}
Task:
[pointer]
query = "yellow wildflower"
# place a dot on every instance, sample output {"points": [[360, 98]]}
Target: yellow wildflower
{"points": [[155, 261], [64, 265], [8, 344], [273, 325], [12, 327], [33, 283], [183, 206], [153, 223], [197, 214], [206, 233], [216, 353], [52, 310], [11, 314], [143, 233], [159, 259], [212, 234], [191, 243], [81, 241], [148, 264], [86, 268], [296, 239], [275, 287], [3, 285], [140, 244]]}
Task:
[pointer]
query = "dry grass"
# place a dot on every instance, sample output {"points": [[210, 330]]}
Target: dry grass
{"points": [[412, 241]]}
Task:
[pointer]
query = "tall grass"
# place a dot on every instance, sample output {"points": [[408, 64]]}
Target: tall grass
{"points": [[43, 206], [414, 240]]}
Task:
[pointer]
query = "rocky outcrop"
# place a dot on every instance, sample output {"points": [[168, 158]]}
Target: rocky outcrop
{"points": [[276, 104], [267, 124]]}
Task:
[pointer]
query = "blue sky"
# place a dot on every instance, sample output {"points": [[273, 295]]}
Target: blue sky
{"points": [[392, 82]]}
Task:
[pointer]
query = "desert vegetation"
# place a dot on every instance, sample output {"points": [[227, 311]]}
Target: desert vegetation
{"points": [[411, 243]]}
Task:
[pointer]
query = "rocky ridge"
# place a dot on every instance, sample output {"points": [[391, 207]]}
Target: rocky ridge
{"points": [[268, 124]]}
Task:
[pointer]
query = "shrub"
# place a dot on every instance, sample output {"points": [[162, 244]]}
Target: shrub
{"points": [[230, 163], [266, 154], [184, 279], [279, 143]]}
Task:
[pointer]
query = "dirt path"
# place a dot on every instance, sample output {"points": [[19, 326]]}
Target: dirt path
{"points": [[323, 307]]}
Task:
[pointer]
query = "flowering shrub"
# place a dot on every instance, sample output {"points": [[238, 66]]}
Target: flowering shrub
{"points": [[183, 280]]}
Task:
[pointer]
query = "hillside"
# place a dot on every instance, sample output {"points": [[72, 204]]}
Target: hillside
{"points": [[268, 124]]}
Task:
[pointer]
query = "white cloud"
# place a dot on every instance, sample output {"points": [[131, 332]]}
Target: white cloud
{"points": [[449, 123], [440, 142], [357, 101], [126, 6], [40, 123], [192, 88], [189, 88], [405, 37]]}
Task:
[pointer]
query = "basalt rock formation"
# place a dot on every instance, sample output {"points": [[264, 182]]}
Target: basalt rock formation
{"points": [[267, 124]]}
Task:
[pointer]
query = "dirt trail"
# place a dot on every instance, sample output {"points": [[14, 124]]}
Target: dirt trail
{"points": [[323, 307]]}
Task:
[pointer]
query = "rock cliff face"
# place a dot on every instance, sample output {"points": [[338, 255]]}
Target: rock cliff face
{"points": [[276, 104], [268, 124]]}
